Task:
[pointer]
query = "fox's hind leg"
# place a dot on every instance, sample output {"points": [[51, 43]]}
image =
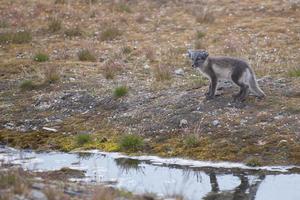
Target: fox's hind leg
{"points": [[244, 89]]}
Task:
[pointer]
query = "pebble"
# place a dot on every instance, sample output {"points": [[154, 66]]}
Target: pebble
{"points": [[38, 195], [50, 129], [279, 117], [179, 72], [215, 122], [146, 66], [183, 123]]}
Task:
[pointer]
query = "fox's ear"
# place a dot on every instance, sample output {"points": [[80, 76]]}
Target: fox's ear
{"points": [[205, 54]]}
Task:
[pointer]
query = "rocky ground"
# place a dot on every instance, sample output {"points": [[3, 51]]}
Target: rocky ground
{"points": [[48, 105]]}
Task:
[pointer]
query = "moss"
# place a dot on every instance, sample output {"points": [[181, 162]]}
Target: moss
{"points": [[111, 147], [253, 162]]}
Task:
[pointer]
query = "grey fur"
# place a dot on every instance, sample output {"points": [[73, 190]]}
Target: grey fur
{"points": [[228, 68]]}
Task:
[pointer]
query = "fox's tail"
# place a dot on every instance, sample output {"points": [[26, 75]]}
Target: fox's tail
{"points": [[254, 88]]}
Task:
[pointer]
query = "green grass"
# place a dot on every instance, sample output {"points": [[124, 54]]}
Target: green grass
{"points": [[294, 73], [41, 57], [19, 37], [86, 55], [120, 91], [82, 139], [27, 85], [131, 143], [191, 141], [110, 33]]}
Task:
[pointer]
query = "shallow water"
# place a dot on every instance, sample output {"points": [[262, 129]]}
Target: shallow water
{"points": [[167, 177]]}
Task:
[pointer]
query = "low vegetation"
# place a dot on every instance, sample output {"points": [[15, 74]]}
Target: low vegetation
{"points": [[191, 141], [86, 55], [110, 33], [54, 25], [28, 85], [51, 74], [41, 57], [73, 32], [4, 24], [120, 91], [294, 73], [131, 143], [20, 37], [162, 73], [110, 69], [82, 139], [123, 7]]}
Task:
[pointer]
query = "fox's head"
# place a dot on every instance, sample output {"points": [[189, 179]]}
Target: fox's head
{"points": [[198, 57]]}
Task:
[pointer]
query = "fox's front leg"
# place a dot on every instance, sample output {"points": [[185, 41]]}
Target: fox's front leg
{"points": [[212, 89]]}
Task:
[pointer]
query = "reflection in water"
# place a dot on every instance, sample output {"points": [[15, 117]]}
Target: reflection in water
{"points": [[244, 191], [150, 175], [127, 164], [84, 155]]}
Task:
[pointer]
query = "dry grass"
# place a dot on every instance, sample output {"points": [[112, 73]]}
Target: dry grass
{"points": [[110, 69], [13, 182], [104, 194], [73, 32], [162, 73], [204, 15], [54, 25], [51, 74], [149, 53], [86, 55], [110, 33]]}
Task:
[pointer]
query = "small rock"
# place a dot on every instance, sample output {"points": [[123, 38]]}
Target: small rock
{"points": [[146, 66], [183, 123], [38, 195], [9, 126], [282, 142], [71, 79], [243, 121], [38, 186], [279, 117], [50, 129], [215, 122], [179, 72]]}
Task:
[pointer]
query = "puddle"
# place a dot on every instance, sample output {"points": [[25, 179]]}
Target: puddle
{"points": [[167, 177]]}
